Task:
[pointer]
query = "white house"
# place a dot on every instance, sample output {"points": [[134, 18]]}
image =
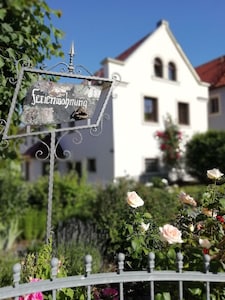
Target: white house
{"points": [[156, 79]]}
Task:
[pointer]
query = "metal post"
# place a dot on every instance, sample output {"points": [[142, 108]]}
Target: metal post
{"points": [[50, 186]]}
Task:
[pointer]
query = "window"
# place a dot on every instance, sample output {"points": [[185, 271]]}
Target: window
{"points": [[172, 71], [158, 67], [91, 165], [150, 109], [151, 165], [214, 106], [183, 113], [75, 166]]}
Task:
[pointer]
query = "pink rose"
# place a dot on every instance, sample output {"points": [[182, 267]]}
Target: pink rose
{"points": [[34, 296], [170, 234], [134, 200], [187, 199]]}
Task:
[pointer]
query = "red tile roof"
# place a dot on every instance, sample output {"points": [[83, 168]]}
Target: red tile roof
{"points": [[213, 72], [124, 55]]}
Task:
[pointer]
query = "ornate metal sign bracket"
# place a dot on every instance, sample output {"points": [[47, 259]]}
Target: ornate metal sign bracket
{"points": [[57, 103]]}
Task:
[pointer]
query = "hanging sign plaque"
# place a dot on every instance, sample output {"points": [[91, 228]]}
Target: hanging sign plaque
{"points": [[49, 102]]}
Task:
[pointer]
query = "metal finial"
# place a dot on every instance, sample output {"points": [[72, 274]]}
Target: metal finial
{"points": [[71, 54]]}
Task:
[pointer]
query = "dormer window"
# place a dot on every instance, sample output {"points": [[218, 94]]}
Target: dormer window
{"points": [[158, 67], [172, 72]]}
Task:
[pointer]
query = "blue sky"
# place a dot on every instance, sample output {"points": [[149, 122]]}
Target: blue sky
{"points": [[101, 29]]}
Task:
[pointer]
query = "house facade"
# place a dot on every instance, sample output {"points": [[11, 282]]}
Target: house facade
{"points": [[156, 80], [213, 72]]}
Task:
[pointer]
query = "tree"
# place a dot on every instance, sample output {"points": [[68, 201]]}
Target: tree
{"points": [[26, 34], [205, 151]]}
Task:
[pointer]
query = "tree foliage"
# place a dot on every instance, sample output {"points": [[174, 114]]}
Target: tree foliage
{"points": [[26, 35], [205, 151]]}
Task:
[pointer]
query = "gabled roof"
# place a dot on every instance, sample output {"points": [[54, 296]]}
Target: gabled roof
{"points": [[128, 52], [213, 72]]}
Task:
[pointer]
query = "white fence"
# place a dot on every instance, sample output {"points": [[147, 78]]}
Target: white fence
{"points": [[119, 279]]}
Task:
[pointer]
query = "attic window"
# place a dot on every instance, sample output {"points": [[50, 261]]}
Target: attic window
{"points": [[158, 67], [172, 73]]}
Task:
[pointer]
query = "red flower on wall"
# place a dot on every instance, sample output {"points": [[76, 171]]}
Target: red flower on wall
{"points": [[169, 143]]}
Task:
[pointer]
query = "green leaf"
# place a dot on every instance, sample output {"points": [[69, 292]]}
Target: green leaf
{"points": [[134, 244], [147, 215], [171, 253], [166, 296], [130, 228], [2, 13], [222, 202], [163, 296], [11, 52], [1, 62], [4, 38], [158, 296], [195, 291], [7, 27]]}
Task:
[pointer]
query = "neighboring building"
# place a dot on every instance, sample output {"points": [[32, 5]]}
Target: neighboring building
{"points": [[156, 79], [213, 72]]}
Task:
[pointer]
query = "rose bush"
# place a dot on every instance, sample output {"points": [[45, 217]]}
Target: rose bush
{"points": [[105, 293], [197, 229], [37, 266], [170, 143]]}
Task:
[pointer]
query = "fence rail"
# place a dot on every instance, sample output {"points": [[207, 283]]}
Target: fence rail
{"points": [[121, 278]]}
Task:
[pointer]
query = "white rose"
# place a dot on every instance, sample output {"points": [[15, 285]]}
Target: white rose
{"points": [[204, 243], [134, 200], [170, 234], [214, 174], [144, 226]]}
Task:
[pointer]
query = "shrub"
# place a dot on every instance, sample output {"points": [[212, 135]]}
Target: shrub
{"points": [[110, 210], [205, 151], [72, 196], [74, 254], [6, 266], [33, 224]]}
